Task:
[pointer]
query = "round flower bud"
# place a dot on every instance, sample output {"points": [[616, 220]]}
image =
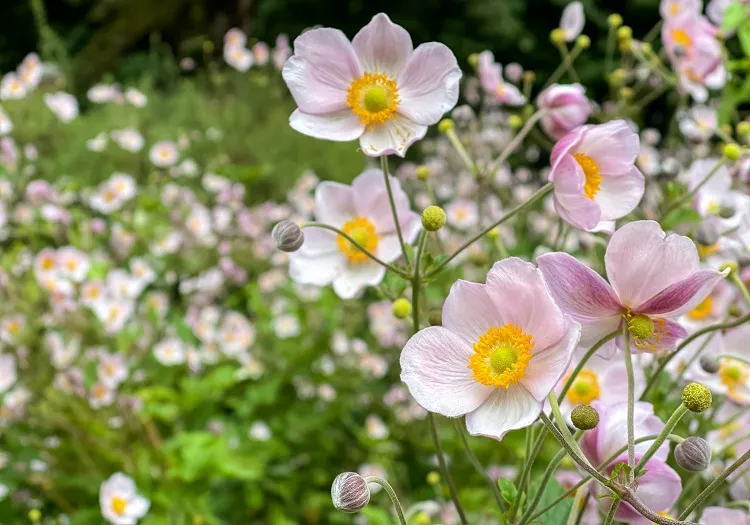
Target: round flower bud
{"points": [[433, 218], [401, 308], [583, 42], [557, 36], [707, 234], [732, 151], [624, 33], [433, 478], [435, 317], [287, 236], [35, 515], [446, 125], [422, 172], [646, 48], [350, 492], [727, 212], [422, 519], [515, 122], [696, 397], [709, 364], [743, 128], [473, 60], [693, 454], [618, 77], [494, 233], [584, 417], [614, 20]]}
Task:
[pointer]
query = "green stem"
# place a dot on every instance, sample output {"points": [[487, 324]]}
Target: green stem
{"points": [[689, 195], [563, 426], [444, 469], [577, 511], [391, 494], [610, 519], [538, 195], [511, 147], [461, 150], [582, 363], [714, 485], [387, 177], [631, 399], [358, 246], [671, 423], [568, 59], [741, 285], [416, 282], [565, 65], [478, 465]]}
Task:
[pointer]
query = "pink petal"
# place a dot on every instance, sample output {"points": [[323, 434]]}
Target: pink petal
{"points": [[434, 366], [334, 203], [681, 297], [618, 196], [570, 202], [563, 146], [354, 278], [521, 297], [548, 365], [383, 46], [614, 147], [320, 72], [658, 489], [642, 261], [428, 85], [371, 200], [572, 21], [665, 337], [391, 138], [716, 515], [468, 311], [504, 410], [339, 126]]}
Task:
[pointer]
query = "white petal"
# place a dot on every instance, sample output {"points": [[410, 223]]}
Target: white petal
{"points": [[356, 277], [393, 137], [546, 367], [334, 203], [339, 126], [503, 411], [383, 46]]}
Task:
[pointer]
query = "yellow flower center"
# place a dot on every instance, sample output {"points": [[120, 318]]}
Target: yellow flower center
{"points": [[703, 310], [681, 37], [362, 231], [591, 172], [501, 356], [641, 326], [647, 332], [705, 251], [373, 97], [119, 505], [584, 389], [732, 372]]}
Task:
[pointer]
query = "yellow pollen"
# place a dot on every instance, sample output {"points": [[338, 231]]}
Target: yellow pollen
{"points": [[647, 332], [681, 37], [363, 233], [705, 251], [118, 505], [591, 172], [48, 263], [641, 326], [732, 373], [374, 98], [501, 356], [703, 310], [585, 388]]}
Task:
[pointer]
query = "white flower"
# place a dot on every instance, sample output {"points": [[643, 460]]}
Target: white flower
{"points": [[259, 431], [73, 264], [128, 139], [120, 502], [164, 154], [6, 126], [135, 97], [286, 326], [101, 93], [101, 396], [11, 87], [8, 374], [239, 58], [63, 105], [170, 352], [112, 370]]}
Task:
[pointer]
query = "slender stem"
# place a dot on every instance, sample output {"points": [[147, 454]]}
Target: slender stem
{"points": [[528, 463], [387, 177], [671, 423], [562, 425], [582, 363], [568, 59], [714, 485], [416, 283], [523, 474], [631, 399], [565, 65], [610, 519], [609, 57], [573, 451], [511, 147], [478, 465], [689, 195], [741, 285], [687, 341], [391, 494], [461, 150], [576, 511], [444, 469], [544, 190]]}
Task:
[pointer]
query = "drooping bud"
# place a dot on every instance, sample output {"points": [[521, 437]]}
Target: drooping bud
{"points": [[693, 454], [696, 397], [401, 308], [287, 236], [350, 492], [584, 417], [709, 364], [433, 218]]}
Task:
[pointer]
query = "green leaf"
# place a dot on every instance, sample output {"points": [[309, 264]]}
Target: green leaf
{"points": [[508, 490], [680, 216], [743, 33], [557, 514], [733, 17]]}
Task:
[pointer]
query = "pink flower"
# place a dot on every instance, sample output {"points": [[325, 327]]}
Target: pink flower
{"points": [[566, 108], [672, 8], [376, 88], [594, 174], [654, 278], [572, 21], [362, 211], [491, 78], [502, 348], [716, 515]]}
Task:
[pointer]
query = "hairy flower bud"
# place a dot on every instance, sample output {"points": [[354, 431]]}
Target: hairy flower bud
{"points": [[401, 308], [584, 417], [709, 364], [433, 218], [350, 492], [693, 454], [435, 316], [696, 397], [287, 236]]}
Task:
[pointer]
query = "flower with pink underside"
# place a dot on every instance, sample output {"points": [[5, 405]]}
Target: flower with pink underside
{"points": [[362, 211], [594, 174], [716, 515], [501, 349], [376, 88], [491, 78], [654, 278], [565, 108]]}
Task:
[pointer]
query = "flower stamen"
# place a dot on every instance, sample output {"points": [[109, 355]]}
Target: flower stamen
{"points": [[591, 172], [363, 233], [501, 356], [374, 98]]}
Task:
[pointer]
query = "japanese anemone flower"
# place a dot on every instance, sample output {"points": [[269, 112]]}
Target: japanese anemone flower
{"points": [[501, 349], [376, 88], [362, 211], [654, 278]]}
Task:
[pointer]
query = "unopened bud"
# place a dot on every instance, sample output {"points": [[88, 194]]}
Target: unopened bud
{"points": [[433, 478], [435, 317], [584, 417], [422, 172], [693, 454], [473, 60], [529, 77], [743, 128], [583, 41], [350, 492], [287, 236], [401, 308], [624, 33], [614, 20], [557, 36], [707, 234], [696, 397], [515, 122], [446, 125], [433, 218], [732, 151], [709, 364]]}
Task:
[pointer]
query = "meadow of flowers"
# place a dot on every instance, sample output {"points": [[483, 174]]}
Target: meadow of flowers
{"points": [[334, 280]]}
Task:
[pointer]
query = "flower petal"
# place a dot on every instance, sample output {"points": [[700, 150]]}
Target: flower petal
{"points": [[658, 489], [319, 270], [504, 410], [547, 366], [339, 126], [618, 196], [434, 366], [682, 296], [371, 200], [521, 297], [572, 21], [428, 85], [468, 311], [665, 337], [356, 277], [570, 202], [383, 46], [392, 137], [642, 261], [320, 72], [614, 147], [334, 203]]}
